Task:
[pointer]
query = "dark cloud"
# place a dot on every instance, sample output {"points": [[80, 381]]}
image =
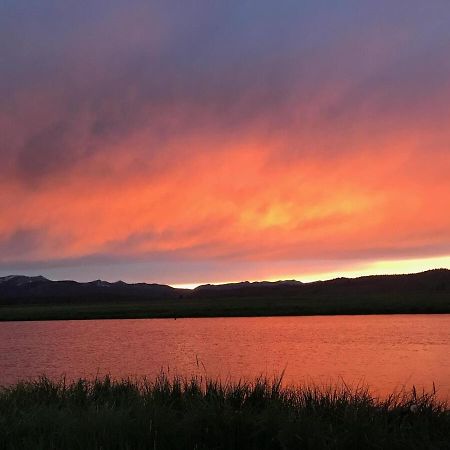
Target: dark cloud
{"points": [[21, 243], [172, 69], [44, 152]]}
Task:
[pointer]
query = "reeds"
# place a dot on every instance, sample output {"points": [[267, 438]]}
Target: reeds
{"points": [[199, 413]]}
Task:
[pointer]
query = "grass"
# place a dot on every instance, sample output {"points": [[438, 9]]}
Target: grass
{"points": [[196, 413], [438, 303]]}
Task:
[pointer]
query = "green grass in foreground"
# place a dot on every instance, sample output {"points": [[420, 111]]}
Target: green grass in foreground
{"points": [[199, 414]]}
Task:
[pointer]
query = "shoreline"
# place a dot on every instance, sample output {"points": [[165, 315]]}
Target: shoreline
{"points": [[230, 316], [213, 308]]}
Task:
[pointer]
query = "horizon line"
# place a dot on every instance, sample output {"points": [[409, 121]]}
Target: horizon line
{"points": [[353, 269], [184, 286]]}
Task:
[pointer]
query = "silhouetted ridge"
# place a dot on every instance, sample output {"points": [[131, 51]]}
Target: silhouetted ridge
{"points": [[431, 280], [23, 289], [21, 280], [251, 284], [15, 289]]}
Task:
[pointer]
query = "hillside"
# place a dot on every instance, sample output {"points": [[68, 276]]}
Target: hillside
{"points": [[28, 298]]}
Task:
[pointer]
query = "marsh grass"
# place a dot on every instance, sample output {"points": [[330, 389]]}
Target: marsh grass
{"points": [[201, 413]]}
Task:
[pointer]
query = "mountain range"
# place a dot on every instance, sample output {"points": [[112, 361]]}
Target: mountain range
{"points": [[20, 289]]}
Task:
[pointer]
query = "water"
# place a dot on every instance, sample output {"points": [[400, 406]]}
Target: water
{"points": [[384, 352]]}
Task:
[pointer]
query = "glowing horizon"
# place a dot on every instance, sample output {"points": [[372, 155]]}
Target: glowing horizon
{"points": [[377, 268]]}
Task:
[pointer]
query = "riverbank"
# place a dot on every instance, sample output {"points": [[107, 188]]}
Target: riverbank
{"points": [[438, 303], [188, 414]]}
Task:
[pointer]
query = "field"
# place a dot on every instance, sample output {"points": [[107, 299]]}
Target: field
{"points": [[438, 303], [207, 414]]}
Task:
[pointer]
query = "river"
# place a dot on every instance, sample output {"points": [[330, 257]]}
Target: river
{"points": [[386, 353]]}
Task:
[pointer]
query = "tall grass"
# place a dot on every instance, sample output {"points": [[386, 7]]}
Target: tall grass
{"points": [[199, 413]]}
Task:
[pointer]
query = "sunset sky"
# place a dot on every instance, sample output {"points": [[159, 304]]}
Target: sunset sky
{"points": [[186, 142]]}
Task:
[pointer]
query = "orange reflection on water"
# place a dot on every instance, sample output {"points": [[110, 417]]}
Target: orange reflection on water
{"points": [[384, 352]]}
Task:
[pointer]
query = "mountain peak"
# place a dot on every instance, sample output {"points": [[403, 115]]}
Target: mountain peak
{"points": [[20, 280]]}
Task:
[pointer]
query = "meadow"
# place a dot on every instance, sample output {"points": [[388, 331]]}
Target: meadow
{"points": [[198, 413], [389, 303]]}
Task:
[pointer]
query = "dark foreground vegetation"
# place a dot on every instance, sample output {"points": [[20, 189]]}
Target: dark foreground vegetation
{"points": [[36, 298], [199, 414]]}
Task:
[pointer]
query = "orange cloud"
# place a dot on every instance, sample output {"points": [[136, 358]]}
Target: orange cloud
{"points": [[240, 201]]}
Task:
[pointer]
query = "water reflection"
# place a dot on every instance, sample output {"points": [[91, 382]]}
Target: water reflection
{"points": [[385, 352]]}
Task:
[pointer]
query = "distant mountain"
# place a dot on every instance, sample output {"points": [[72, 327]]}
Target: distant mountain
{"points": [[429, 281], [19, 289], [248, 284], [23, 289], [20, 280]]}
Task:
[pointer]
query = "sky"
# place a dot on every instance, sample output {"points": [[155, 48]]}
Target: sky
{"points": [[186, 142]]}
